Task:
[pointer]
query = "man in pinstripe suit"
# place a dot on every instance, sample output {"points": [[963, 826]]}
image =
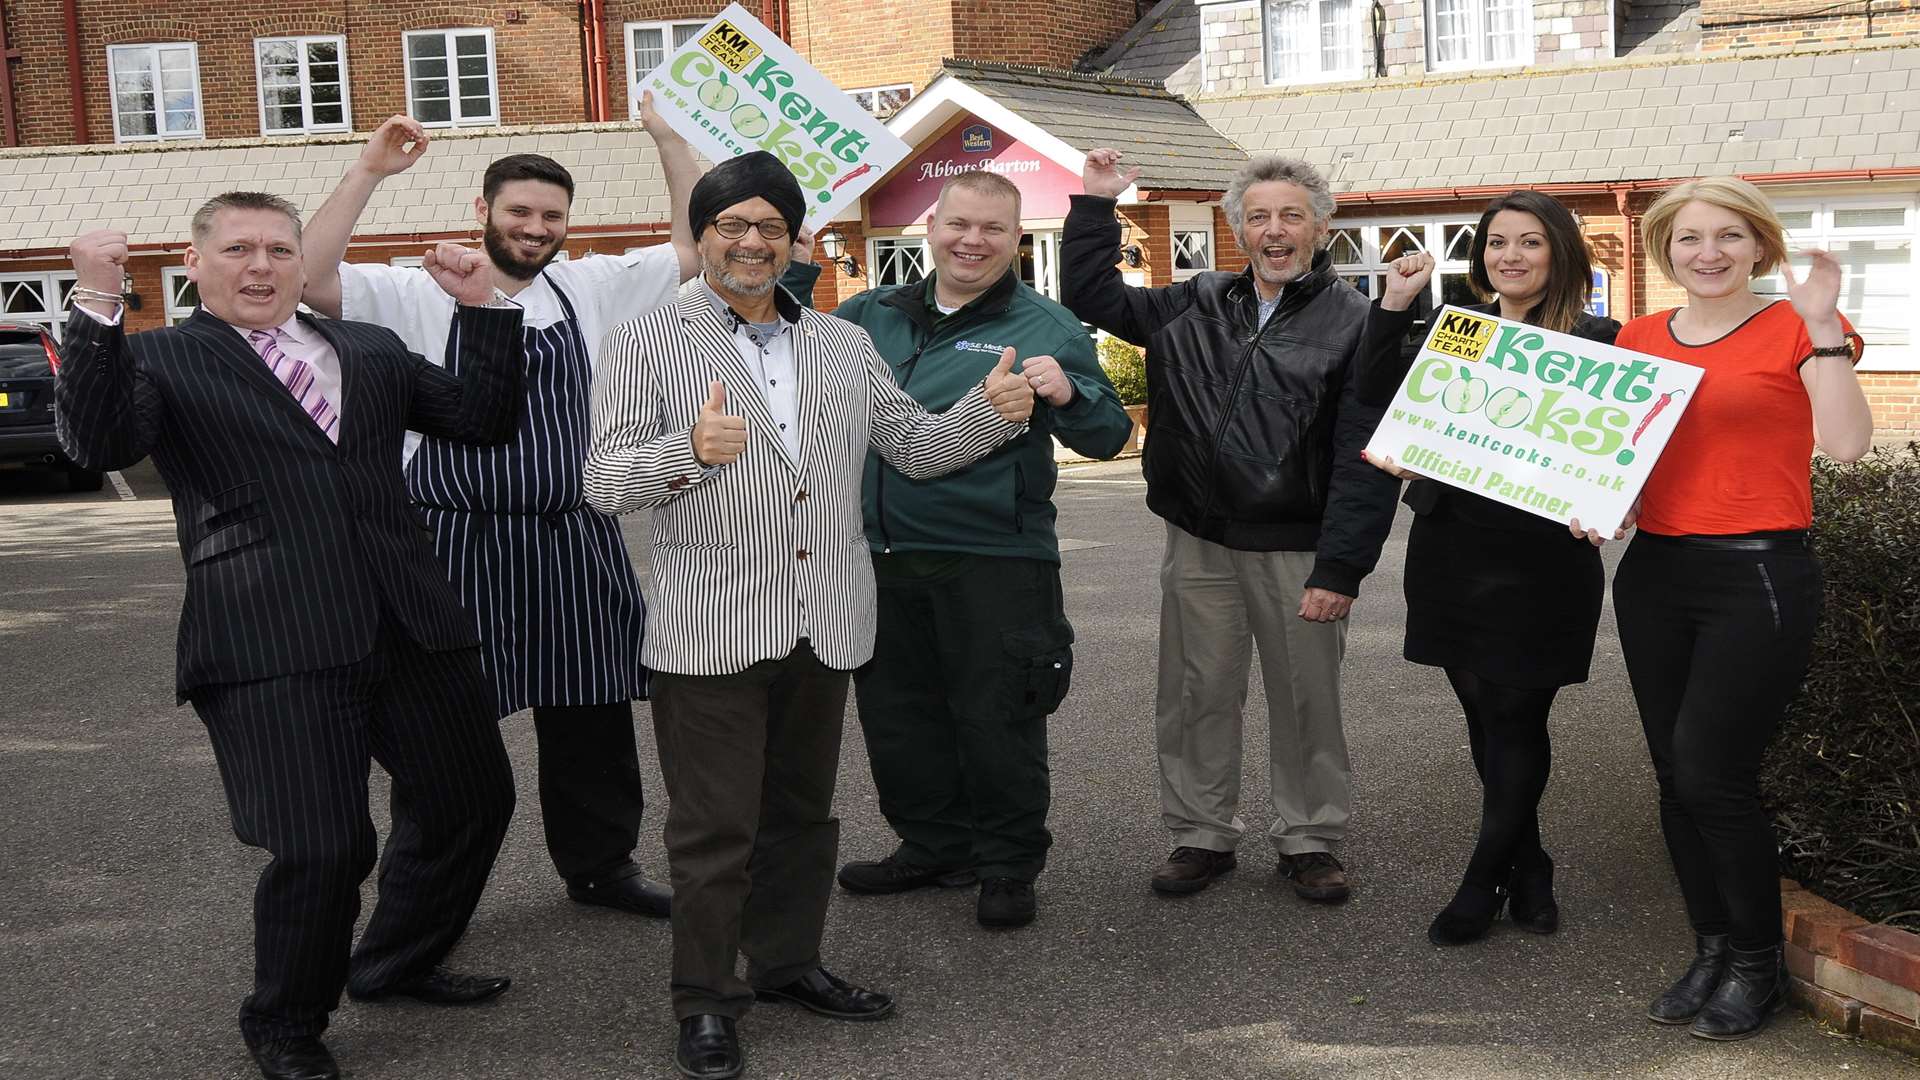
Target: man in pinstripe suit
{"points": [[744, 420], [318, 631]]}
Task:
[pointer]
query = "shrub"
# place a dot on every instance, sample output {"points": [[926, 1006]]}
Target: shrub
{"points": [[1843, 778], [1126, 368]]}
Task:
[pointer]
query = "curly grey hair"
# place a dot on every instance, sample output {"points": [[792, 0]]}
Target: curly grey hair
{"points": [[1270, 168]]}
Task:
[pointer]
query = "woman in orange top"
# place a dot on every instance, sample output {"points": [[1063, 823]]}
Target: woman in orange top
{"points": [[1717, 596]]}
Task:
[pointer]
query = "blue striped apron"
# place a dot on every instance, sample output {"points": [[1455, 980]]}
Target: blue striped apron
{"points": [[546, 577]]}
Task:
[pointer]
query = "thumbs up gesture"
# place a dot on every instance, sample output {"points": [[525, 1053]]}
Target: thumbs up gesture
{"points": [[1010, 395], [718, 438]]}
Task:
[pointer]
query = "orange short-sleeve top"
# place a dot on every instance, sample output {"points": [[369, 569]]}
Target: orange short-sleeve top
{"points": [[1738, 461]]}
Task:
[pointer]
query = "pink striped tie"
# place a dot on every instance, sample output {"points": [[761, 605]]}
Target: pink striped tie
{"points": [[297, 375]]}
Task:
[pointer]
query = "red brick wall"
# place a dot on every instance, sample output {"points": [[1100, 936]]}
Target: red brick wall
{"points": [[1731, 25], [622, 12], [1895, 398], [877, 42], [1045, 34]]}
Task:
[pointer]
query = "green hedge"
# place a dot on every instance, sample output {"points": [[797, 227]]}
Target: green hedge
{"points": [[1126, 368], [1843, 779]]}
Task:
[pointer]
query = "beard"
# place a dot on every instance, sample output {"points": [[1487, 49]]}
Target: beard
{"points": [[508, 258], [719, 274]]}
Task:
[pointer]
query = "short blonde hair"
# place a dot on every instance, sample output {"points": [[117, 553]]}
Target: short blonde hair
{"points": [[1727, 193]]}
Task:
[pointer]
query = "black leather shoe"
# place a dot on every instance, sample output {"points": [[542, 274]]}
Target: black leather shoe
{"points": [[890, 875], [1005, 903], [709, 1049], [1530, 903], [1468, 916], [823, 992], [1754, 986], [1682, 1001], [302, 1057], [1190, 869], [625, 889], [441, 987]]}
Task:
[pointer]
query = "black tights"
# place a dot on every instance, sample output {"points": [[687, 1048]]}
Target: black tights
{"points": [[1507, 729]]}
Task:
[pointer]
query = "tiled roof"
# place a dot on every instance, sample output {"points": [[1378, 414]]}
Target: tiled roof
{"points": [[1157, 131], [50, 195], [1165, 41], [1853, 109]]}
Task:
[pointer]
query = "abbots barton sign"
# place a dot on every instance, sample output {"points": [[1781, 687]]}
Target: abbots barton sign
{"points": [[972, 145]]}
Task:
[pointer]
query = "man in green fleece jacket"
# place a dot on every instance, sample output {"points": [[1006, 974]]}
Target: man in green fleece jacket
{"points": [[973, 649]]}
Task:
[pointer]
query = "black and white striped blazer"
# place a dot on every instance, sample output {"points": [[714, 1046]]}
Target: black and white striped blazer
{"points": [[294, 547], [750, 557]]}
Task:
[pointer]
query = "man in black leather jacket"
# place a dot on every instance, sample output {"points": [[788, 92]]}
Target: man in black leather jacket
{"points": [[1254, 433]]}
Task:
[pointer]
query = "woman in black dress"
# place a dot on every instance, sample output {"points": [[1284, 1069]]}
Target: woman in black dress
{"points": [[1506, 602]]}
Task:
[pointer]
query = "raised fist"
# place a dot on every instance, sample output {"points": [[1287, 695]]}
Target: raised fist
{"points": [[99, 259], [462, 272]]}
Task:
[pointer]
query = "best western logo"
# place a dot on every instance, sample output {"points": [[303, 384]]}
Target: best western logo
{"points": [[1461, 335], [729, 46]]}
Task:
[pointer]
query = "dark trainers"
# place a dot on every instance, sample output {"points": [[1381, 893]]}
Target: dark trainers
{"points": [[1190, 869], [1316, 876], [1005, 902], [889, 875]]}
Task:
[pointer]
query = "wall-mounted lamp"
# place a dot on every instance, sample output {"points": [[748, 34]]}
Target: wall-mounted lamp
{"points": [[834, 247], [126, 291], [1131, 255]]}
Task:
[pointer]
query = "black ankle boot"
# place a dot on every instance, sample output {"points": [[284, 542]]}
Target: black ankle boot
{"points": [[1682, 1001], [1754, 986], [1530, 903], [1468, 917]]}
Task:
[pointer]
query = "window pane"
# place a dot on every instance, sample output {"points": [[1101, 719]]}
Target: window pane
{"points": [[646, 48], [1796, 219], [323, 73], [685, 32], [1289, 36], [323, 52], [427, 46], [185, 293], [1859, 218], [472, 66], [432, 111], [279, 54], [326, 92], [285, 118], [1192, 250], [1450, 31], [177, 61], [23, 297], [1344, 246], [470, 45], [430, 88], [329, 114], [1459, 242], [1455, 289], [888, 102], [1876, 287], [1401, 241], [1339, 40], [480, 87], [475, 108], [183, 123], [132, 76], [134, 124]]}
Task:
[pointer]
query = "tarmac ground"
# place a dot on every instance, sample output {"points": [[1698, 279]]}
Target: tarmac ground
{"points": [[125, 904]]}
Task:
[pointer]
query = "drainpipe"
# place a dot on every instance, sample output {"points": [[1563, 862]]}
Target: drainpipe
{"points": [[594, 17], [1621, 202], [76, 78], [6, 82]]}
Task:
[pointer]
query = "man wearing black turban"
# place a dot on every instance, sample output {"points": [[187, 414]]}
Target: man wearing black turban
{"points": [[743, 421]]}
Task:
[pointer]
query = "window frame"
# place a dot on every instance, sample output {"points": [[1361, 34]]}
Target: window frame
{"points": [[1430, 233], [1187, 220], [151, 49], [666, 28], [307, 126], [1822, 232], [1322, 74], [873, 109], [173, 282], [53, 315], [874, 245], [1476, 14], [451, 35]]}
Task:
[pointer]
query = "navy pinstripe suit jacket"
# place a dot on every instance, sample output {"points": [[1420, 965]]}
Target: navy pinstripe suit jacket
{"points": [[293, 546]]}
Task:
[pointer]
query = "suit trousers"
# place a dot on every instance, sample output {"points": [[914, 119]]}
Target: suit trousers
{"points": [[750, 761], [591, 799], [1216, 605], [294, 754]]}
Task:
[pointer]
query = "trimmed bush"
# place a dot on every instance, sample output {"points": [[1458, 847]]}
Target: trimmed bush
{"points": [[1126, 368], [1843, 777]]}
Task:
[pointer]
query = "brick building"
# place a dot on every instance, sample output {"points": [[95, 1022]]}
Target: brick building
{"points": [[1420, 110]]}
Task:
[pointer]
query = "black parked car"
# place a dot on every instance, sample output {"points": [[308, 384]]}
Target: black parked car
{"points": [[27, 360]]}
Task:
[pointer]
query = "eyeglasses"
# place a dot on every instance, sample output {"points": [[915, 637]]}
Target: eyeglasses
{"points": [[734, 228]]}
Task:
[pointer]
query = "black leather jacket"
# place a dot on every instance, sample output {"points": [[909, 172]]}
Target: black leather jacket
{"points": [[1254, 431]]}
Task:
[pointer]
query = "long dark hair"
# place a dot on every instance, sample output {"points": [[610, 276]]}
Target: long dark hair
{"points": [[1569, 266]]}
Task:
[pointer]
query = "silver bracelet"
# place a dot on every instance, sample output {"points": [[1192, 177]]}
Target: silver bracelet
{"points": [[81, 292]]}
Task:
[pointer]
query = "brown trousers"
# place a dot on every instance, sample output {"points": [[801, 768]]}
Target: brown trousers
{"points": [[750, 760]]}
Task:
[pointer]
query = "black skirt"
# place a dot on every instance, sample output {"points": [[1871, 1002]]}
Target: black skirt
{"points": [[1506, 595]]}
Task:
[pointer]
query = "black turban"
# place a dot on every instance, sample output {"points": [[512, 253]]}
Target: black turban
{"points": [[736, 180]]}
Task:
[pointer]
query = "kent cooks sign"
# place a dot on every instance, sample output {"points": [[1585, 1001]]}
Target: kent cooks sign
{"points": [[736, 87], [1553, 424]]}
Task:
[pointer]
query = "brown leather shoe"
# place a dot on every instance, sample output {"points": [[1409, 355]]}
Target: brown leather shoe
{"points": [[1316, 876], [1190, 869]]}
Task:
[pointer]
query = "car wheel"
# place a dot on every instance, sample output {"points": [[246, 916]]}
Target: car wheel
{"points": [[79, 479]]}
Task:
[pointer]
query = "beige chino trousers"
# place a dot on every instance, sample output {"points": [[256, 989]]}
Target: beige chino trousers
{"points": [[1216, 606]]}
